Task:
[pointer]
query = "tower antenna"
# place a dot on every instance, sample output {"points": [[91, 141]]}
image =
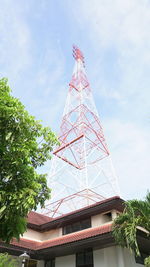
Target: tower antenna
{"points": [[82, 172]]}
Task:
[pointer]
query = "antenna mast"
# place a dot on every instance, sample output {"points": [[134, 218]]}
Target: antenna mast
{"points": [[82, 172]]}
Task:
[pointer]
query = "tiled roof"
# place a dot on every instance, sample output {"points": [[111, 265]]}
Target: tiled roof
{"points": [[70, 238], [87, 207], [73, 237], [40, 219], [25, 243], [37, 218]]}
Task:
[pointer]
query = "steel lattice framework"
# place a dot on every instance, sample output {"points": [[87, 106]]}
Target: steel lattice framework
{"points": [[81, 171]]}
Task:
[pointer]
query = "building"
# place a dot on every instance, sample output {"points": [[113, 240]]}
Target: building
{"points": [[82, 238], [85, 188]]}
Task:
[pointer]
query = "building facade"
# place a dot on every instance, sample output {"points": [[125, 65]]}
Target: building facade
{"points": [[82, 238]]}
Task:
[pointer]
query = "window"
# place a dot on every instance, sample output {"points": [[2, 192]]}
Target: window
{"points": [[107, 217], [77, 226], [85, 258], [50, 263]]}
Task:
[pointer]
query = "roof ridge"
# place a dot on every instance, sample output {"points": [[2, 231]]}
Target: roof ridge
{"points": [[86, 207]]}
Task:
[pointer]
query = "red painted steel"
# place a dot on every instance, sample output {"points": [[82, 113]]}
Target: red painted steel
{"points": [[81, 171], [80, 122]]}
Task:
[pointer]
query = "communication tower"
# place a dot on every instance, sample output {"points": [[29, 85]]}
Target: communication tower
{"points": [[81, 172]]}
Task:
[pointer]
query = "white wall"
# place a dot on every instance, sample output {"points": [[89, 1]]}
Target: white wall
{"points": [[99, 219], [66, 261], [96, 220], [108, 257], [40, 264], [114, 257], [105, 257], [37, 236], [32, 235], [129, 259], [99, 259], [52, 234]]}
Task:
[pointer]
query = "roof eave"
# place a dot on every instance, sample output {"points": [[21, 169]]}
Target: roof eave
{"points": [[114, 203]]}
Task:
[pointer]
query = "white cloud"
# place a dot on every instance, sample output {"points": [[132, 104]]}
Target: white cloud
{"points": [[122, 27], [48, 86], [35, 70], [15, 41], [112, 94], [50, 70], [130, 147], [114, 21]]}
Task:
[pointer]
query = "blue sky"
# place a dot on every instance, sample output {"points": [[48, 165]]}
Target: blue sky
{"points": [[36, 40]]}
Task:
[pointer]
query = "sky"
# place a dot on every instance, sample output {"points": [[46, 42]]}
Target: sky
{"points": [[36, 38]]}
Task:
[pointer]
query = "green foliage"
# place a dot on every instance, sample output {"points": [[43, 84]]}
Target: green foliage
{"points": [[136, 213], [147, 262], [25, 145], [7, 260]]}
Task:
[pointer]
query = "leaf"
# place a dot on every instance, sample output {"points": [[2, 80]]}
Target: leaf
{"points": [[22, 188], [135, 214]]}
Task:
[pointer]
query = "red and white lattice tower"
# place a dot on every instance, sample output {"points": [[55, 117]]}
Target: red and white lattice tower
{"points": [[82, 171]]}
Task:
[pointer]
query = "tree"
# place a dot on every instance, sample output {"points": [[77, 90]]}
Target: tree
{"points": [[147, 262], [25, 145], [136, 214], [7, 260]]}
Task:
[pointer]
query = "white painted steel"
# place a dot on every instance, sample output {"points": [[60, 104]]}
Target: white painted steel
{"points": [[95, 176]]}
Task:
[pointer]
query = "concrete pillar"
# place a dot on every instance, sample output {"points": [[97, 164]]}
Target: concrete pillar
{"points": [[66, 261], [120, 257], [114, 214], [40, 264], [98, 258]]}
